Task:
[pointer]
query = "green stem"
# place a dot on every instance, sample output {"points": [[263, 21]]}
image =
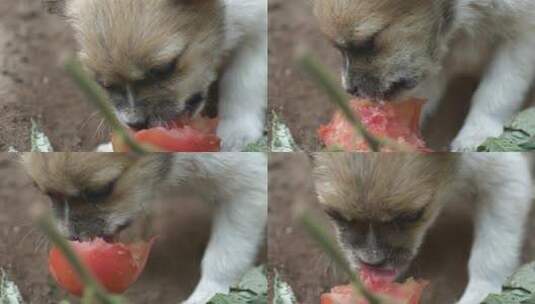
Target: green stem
{"points": [[46, 223], [98, 98], [320, 235]]}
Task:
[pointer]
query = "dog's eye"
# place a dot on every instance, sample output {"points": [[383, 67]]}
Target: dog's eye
{"points": [[362, 47], [336, 216], [365, 47], [95, 196], [109, 87], [55, 197], [409, 218], [163, 71]]}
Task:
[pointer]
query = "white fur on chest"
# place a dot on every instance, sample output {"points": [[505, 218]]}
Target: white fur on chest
{"points": [[244, 20], [467, 56], [480, 27]]}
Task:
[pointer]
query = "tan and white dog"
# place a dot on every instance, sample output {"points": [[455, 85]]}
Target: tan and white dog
{"points": [[158, 59], [100, 194], [394, 49], [382, 206]]}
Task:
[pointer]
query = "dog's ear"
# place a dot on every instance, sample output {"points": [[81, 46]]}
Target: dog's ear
{"points": [[55, 6]]}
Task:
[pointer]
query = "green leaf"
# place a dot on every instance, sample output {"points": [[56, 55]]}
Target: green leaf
{"points": [[39, 141], [9, 292], [282, 292], [252, 289], [518, 136], [260, 146], [519, 288], [282, 139]]}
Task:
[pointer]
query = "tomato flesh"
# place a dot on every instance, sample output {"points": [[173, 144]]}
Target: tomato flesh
{"points": [[390, 292], [396, 121], [115, 265], [192, 136]]}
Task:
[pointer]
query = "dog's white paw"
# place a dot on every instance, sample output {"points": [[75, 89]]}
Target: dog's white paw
{"points": [[472, 135], [475, 294], [205, 292], [237, 133]]}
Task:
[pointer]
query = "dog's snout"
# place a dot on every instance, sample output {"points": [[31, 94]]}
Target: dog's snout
{"points": [[134, 118]]}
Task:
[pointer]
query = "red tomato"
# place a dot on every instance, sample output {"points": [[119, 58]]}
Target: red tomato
{"points": [[185, 139], [192, 136], [115, 265], [396, 121], [389, 292]]}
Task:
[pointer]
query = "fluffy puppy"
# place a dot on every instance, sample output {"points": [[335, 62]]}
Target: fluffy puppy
{"points": [[157, 59], [100, 194], [382, 206], [394, 49]]}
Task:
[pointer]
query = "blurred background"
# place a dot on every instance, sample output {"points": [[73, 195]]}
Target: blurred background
{"points": [[34, 46]]}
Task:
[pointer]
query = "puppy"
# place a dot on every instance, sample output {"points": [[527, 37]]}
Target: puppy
{"points": [[157, 59], [393, 49], [100, 194], [382, 205]]}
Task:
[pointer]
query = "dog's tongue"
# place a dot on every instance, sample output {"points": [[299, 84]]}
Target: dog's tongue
{"points": [[374, 278]]}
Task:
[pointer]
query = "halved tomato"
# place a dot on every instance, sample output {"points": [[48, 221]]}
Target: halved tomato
{"points": [[192, 136], [409, 292], [115, 265], [396, 121]]}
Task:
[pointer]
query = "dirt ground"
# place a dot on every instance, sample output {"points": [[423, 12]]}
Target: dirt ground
{"points": [[304, 108], [33, 48], [173, 267], [442, 259]]}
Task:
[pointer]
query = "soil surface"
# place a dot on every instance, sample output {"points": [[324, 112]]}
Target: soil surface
{"points": [[442, 259], [304, 107], [34, 46], [173, 267]]}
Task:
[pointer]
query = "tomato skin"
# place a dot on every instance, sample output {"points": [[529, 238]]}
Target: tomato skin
{"points": [[185, 139], [116, 266], [396, 121], [409, 292], [191, 136]]}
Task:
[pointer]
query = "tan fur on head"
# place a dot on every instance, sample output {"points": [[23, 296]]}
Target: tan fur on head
{"points": [[379, 186], [120, 40], [153, 56], [69, 173], [382, 204], [388, 45], [96, 194]]}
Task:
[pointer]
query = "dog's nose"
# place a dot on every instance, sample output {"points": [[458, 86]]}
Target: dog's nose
{"points": [[353, 90], [138, 124], [363, 85]]}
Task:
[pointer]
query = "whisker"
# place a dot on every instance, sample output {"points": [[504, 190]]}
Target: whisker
{"points": [[26, 235], [66, 213], [41, 243], [101, 128], [86, 121]]}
